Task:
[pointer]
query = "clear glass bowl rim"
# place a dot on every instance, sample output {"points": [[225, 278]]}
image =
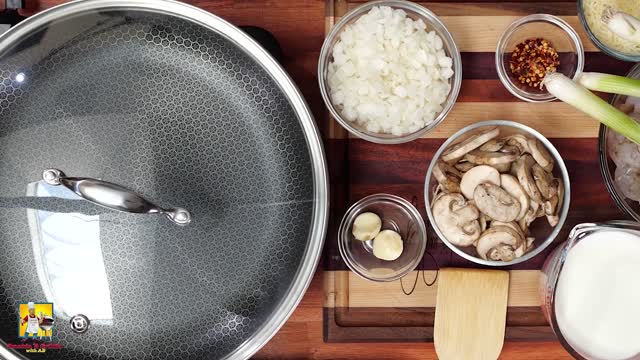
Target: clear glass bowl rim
{"points": [[415, 214], [429, 17], [502, 43], [603, 158]]}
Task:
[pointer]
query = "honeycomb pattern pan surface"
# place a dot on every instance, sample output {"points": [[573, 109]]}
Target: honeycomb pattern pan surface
{"points": [[182, 108]]}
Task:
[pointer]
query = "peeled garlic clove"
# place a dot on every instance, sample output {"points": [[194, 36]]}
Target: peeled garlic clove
{"points": [[387, 245], [366, 226]]}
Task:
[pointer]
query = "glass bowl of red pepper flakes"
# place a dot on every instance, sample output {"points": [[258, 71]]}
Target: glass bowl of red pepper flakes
{"points": [[532, 46]]}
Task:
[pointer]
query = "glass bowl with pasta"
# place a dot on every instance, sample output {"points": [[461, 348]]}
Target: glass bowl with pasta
{"points": [[595, 16]]}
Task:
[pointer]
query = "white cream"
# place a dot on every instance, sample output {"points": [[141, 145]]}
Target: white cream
{"points": [[598, 296]]}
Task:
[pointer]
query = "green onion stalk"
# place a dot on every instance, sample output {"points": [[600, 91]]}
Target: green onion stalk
{"points": [[613, 84], [584, 100]]}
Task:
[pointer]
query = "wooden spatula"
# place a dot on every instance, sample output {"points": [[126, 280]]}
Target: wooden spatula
{"points": [[471, 311]]}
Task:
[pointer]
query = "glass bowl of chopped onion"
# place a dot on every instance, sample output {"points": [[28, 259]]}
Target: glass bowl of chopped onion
{"points": [[389, 71], [619, 157], [532, 46]]}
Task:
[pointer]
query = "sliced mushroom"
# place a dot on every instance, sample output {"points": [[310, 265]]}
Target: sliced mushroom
{"points": [[447, 176], [490, 158], [550, 205], [496, 202], [483, 222], [519, 251], [523, 171], [554, 218], [492, 145], [437, 192], [520, 141], [553, 186], [502, 168], [514, 171], [464, 166], [448, 169], [560, 189], [543, 181], [530, 216], [540, 154], [511, 224], [507, 183], [457, 151], [478, 175], [540, 212], [511, 185], [526, 246], [523, 223], [534, 206], [511, 149], [498, 243], [457, 220], [508, 149]]}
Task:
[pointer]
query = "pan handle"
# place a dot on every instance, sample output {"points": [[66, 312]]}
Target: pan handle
{"points": [[113, 196]]}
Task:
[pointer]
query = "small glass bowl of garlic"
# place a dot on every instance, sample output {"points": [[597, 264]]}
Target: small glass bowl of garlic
{"points": [[382, 237]]}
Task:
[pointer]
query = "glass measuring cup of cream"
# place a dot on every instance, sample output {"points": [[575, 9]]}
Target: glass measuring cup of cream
{"points": [[590, 291]]}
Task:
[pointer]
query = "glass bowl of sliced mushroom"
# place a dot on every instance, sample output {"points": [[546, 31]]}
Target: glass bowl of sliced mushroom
{"points": [[497, 193], [382, 237]]}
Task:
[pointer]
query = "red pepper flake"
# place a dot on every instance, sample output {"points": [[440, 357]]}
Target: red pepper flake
{"points": [[531, 60]]}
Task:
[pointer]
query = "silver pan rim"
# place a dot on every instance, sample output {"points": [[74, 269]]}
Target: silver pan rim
{"points": [[318, 231]]}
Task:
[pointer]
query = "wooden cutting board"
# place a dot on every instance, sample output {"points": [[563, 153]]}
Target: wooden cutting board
{"points": [[471, 311], [357, 310]]}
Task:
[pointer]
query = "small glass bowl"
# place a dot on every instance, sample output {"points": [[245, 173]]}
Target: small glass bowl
{"points": [[599, 44], [561, 36], [415, 12], [540, 229], [398, 215], [608, 167]]}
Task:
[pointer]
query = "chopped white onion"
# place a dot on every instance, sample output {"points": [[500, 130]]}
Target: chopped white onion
{"points": [[388, 73]]}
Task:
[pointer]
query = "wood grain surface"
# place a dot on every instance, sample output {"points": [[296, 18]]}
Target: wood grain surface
{"points": [[371, 312], [471, 313], [300, 25], [523, 291]]}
